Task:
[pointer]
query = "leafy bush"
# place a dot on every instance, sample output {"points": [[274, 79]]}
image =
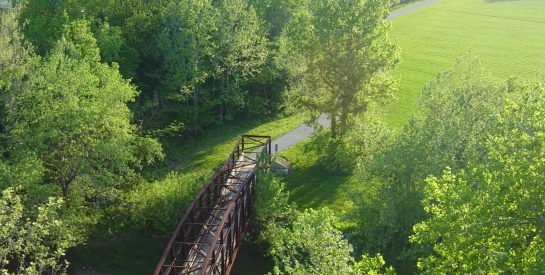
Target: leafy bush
{"points": [[304, 242], [32, 243], [489, 218], [457, 108], [160, 207]]}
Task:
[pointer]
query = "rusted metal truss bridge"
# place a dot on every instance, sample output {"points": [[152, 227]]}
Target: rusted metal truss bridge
{"points": [[207, 239]]}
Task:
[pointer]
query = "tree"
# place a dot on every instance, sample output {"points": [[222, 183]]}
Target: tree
{"points": [[45, 23], [32, 243], [186, 46], [114, 48], [15, 57], [14, 51], [312, 245], [72, 115], [341, 55], [303, 242], [241, 53], [457, 109], [489, 217]]}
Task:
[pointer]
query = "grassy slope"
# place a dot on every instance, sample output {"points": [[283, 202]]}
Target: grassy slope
{"points": [[509, 36], [138, 253]]}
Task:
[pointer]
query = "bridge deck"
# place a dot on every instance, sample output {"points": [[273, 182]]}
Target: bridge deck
{"points": [[197, 255], [208, 237]]}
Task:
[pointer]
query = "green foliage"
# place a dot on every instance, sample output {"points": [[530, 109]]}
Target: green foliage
{"points": [[78, 42], [242, 51], [189, 164], [14, 50], [489, 219], [272, 204], [341, 54], [458, 107], [372, 266], [32, 243], [310, 245], [211, 53], [45, 23], [303, 242], [272, 207], [71, 116], [114, 48], [152, 204]]}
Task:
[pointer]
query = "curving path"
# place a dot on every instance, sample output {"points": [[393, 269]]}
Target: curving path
{"points": [[305, 131], [397, 13], [297, 135]]}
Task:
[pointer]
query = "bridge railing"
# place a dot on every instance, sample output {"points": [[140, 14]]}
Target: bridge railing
{"points": [[214, 224]]}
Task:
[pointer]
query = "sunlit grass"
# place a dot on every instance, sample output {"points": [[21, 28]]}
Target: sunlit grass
{"points": [[509, 37]]}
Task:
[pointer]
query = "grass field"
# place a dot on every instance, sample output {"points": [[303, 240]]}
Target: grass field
{"points": [[509, 37]]}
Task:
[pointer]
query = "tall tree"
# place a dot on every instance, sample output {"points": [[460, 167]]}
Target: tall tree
{"points": [[186, 46], [72, 114], [17, 61], [341, 54], [14, 51], [457, 109], [242, 51], [15, 55], [490, 218]]}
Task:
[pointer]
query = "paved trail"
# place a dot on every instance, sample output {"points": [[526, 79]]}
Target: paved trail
{"points": [[304, 131], [406, 10], [297, 135]]}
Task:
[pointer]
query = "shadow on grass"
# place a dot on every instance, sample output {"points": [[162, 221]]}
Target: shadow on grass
{"points": [[192, 153], [251, 260], [313, 186], [133, 253]]}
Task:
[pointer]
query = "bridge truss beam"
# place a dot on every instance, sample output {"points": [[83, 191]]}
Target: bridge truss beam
{"points": [[207, 239]]}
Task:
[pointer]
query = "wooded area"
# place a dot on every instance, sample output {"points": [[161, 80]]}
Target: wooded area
{"points": [[95, 95]]}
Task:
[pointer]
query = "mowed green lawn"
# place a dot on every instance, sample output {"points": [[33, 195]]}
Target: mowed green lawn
{"points": [[509, 37]]}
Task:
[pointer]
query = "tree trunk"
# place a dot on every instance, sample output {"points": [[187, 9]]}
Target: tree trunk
{"points": [[66, 186], [222, 115], [334, 126]]}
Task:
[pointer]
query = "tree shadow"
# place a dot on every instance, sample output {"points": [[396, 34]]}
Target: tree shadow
{"points": [[310, 184]]}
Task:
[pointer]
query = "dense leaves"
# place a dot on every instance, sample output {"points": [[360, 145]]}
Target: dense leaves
{"points": [[86, 86], [340, 54], [32, 243], [471, 125], [66, 131], [72, 114], [489, 219], [307, 242]]}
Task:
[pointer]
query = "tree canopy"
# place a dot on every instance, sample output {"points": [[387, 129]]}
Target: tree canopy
{"points": [[340, 54]]}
